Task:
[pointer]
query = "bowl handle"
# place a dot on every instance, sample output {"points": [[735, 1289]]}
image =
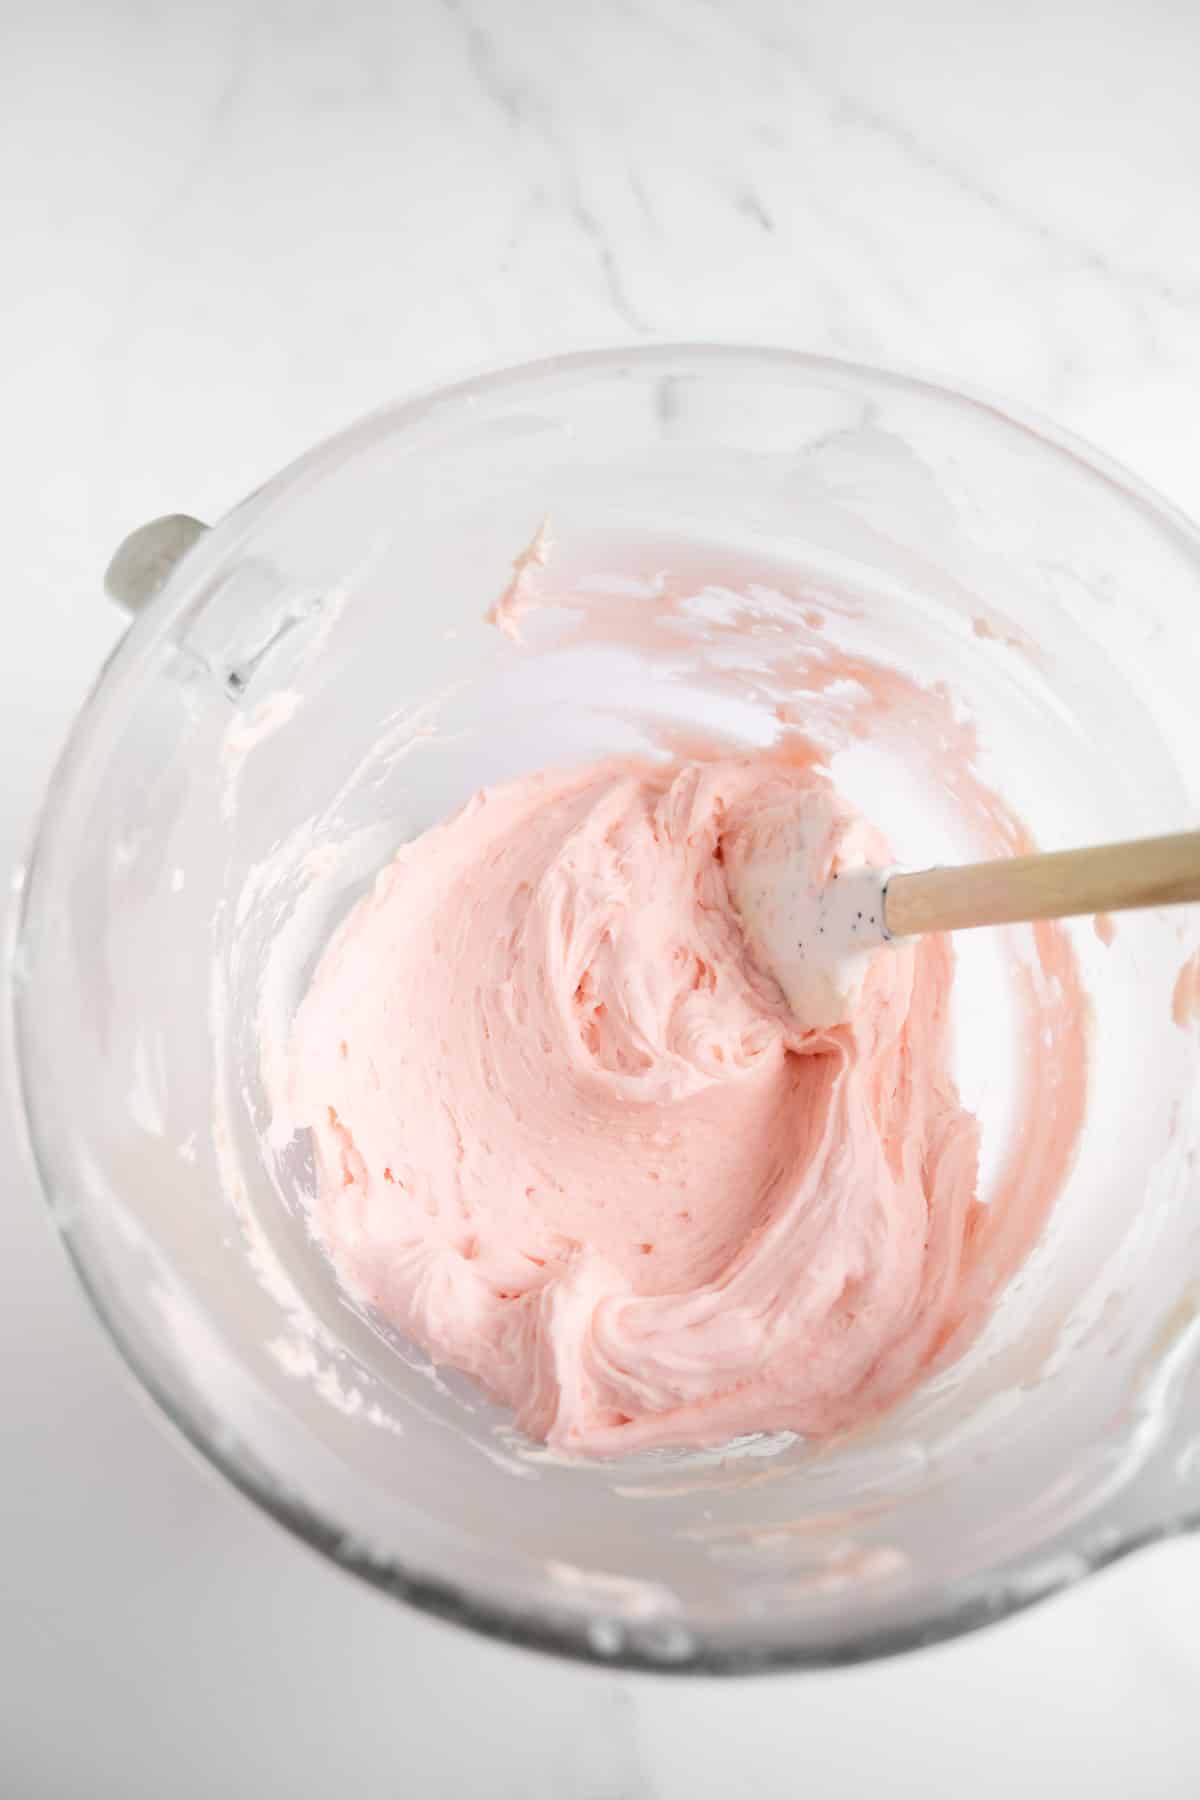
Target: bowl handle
{"points": [[147, 556]]}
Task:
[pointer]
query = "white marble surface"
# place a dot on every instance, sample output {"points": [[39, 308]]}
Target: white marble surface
{"points": [[228, 230]]}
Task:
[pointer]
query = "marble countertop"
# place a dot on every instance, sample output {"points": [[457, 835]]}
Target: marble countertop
{"points": [[229, 230]]}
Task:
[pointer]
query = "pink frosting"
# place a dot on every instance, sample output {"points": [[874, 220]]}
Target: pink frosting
{"points": [[570, 1137], [1185, 999]]}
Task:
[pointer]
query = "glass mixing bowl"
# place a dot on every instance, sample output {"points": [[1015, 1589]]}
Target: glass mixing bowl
{"points": [[313, 682]]}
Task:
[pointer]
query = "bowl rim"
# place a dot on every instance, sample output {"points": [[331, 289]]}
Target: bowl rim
{"points": [[1017, 1585]]}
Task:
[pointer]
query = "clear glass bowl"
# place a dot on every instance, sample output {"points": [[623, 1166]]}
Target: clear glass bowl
{"points": [[316, 670]]}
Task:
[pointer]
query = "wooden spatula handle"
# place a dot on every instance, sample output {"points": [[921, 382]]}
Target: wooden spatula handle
{"points": [[1147, 872]]}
